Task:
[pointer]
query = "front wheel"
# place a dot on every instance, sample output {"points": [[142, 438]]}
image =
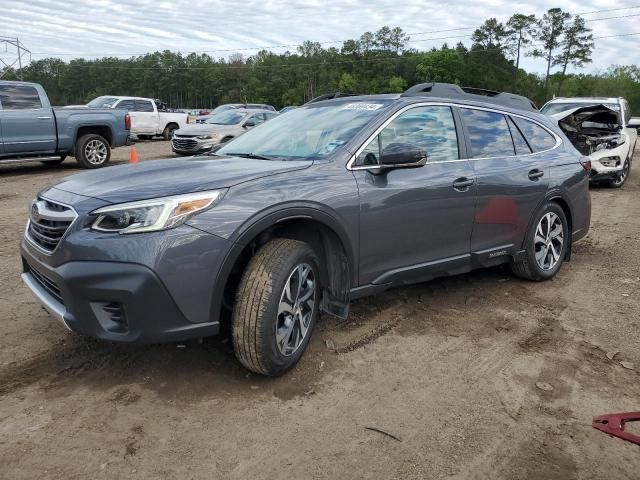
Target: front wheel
{"points": [[546, 245], [93, 151], [620, 179], [167, 133], [276, 307]]}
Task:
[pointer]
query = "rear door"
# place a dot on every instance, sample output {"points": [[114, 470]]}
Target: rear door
{"points": [[512, 180], [416, 222], [144, 118], [28, 126]]}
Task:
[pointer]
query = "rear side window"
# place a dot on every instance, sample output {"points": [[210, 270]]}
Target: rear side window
{"points": [[144, 106], [19, 97], [522, 148], [126, 105], [489, 133], [538, 137]]}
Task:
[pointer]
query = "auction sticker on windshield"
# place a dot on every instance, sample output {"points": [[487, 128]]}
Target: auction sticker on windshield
{"points": [[362, 106]]}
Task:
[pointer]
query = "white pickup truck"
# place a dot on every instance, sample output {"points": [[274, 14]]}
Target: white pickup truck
{"points": [[146, 120]]}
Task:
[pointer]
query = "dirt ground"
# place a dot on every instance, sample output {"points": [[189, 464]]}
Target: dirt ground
{"points": [[449, 367]]}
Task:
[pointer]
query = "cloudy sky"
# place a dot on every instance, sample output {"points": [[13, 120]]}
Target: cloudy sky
{"points": [[94, 28]]}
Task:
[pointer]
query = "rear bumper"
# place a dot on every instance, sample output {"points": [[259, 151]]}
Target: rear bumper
{"points": [[114, 301]]}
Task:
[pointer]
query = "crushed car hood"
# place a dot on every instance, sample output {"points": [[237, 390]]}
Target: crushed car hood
{"points": [[600, 114], [162, 178]]}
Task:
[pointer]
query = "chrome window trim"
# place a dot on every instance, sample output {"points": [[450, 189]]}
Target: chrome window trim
{"points": [[350, 166], [33, 243]]}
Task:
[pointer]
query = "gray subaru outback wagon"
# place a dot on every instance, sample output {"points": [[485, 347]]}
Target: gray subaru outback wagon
{"points": [[339, 199]]}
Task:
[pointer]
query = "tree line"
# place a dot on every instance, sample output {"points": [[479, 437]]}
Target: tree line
{"points": [[376, 62]]}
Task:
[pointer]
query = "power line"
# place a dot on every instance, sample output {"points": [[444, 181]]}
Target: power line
{"points": [[333, 42], [220, 66]]}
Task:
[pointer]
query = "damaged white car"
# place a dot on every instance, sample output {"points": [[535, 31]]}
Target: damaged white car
{"points": [[603, 130]]}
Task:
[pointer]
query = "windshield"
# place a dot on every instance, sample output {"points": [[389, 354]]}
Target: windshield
{"points": [[307, 132], [102, 102], [223, 108], [229, 117], [552, 108]]}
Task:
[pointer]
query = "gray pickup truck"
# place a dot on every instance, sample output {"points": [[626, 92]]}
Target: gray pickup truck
{"points": [[31, 130]]}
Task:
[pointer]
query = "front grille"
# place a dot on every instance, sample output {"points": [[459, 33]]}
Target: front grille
{"points": [[46, 283], [48, 223], [184, 143]]}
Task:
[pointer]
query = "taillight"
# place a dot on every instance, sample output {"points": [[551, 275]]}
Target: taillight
{"points": [[586, 163], [127, 121]]}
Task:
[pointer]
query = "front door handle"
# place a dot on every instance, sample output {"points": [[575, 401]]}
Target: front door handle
{"points": [[44, 117], [535, 174], [463, 184]]}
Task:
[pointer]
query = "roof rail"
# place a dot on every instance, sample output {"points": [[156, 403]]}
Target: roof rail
{"points": [[331, 96], [450, 90]]}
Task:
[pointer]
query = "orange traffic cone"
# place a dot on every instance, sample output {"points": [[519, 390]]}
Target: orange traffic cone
{"points": [[133, 155]]}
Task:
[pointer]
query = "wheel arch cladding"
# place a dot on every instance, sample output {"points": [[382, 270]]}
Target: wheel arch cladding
{"points": [[334, 259], [102, 130]]}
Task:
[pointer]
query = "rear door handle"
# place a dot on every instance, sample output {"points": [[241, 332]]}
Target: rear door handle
{"points": [[463, 184], [44, 117], [535, 174]]}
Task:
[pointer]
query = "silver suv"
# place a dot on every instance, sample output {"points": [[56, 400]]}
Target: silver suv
{"points": [[218, 128]]}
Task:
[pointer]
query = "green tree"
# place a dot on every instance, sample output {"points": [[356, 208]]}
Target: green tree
{"points": [[520, 28], [397, 84], [548, 31], [347, 83], [576, 47], [491, 35]]}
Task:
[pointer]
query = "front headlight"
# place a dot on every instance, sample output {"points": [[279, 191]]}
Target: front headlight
{"points": [[152, 215], [204, 137]]}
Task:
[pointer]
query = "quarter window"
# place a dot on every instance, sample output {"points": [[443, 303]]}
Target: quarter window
{"points": [[19, 97], [430, 128], [522, 148], [538, 137], [489, 133]]}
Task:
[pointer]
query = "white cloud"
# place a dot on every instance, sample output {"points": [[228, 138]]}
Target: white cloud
{"points": [[94, 28]]}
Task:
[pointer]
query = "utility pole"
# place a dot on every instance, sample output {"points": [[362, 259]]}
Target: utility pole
{"points": [[11, 44]]}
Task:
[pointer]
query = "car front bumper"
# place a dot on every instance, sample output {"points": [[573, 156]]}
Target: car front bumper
{"points": [[111, 301], [192, 146], [156, 287]]}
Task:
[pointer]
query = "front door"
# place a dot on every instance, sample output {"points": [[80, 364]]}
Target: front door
{"points": [[415, 222], [27, 126], [144, 119]]}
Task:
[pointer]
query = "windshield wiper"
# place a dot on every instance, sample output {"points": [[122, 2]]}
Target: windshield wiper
{"points": [[250, 155]]}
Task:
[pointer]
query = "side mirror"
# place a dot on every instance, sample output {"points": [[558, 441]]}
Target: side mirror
{"points": [[634, 122], [249, 124], [402, 155]]}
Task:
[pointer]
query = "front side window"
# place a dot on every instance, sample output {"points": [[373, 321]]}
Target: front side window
{"points": [[489, 133], [431, 129], [102, 102], [538, 137], [143, 106], [19, 97]]}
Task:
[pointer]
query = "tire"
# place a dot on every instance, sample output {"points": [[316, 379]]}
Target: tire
{"points": [[167, 133], [621, 178], [267, 337], [96, 144], [531, 267]]}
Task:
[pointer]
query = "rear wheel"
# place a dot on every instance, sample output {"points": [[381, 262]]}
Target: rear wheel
{"points": [[92, 151], [276, 307], [546, 245], [167, 133]]}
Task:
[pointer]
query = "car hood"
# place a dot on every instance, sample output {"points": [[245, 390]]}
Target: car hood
{"points": [[163, 178], [601, 114], [203, 128]]}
